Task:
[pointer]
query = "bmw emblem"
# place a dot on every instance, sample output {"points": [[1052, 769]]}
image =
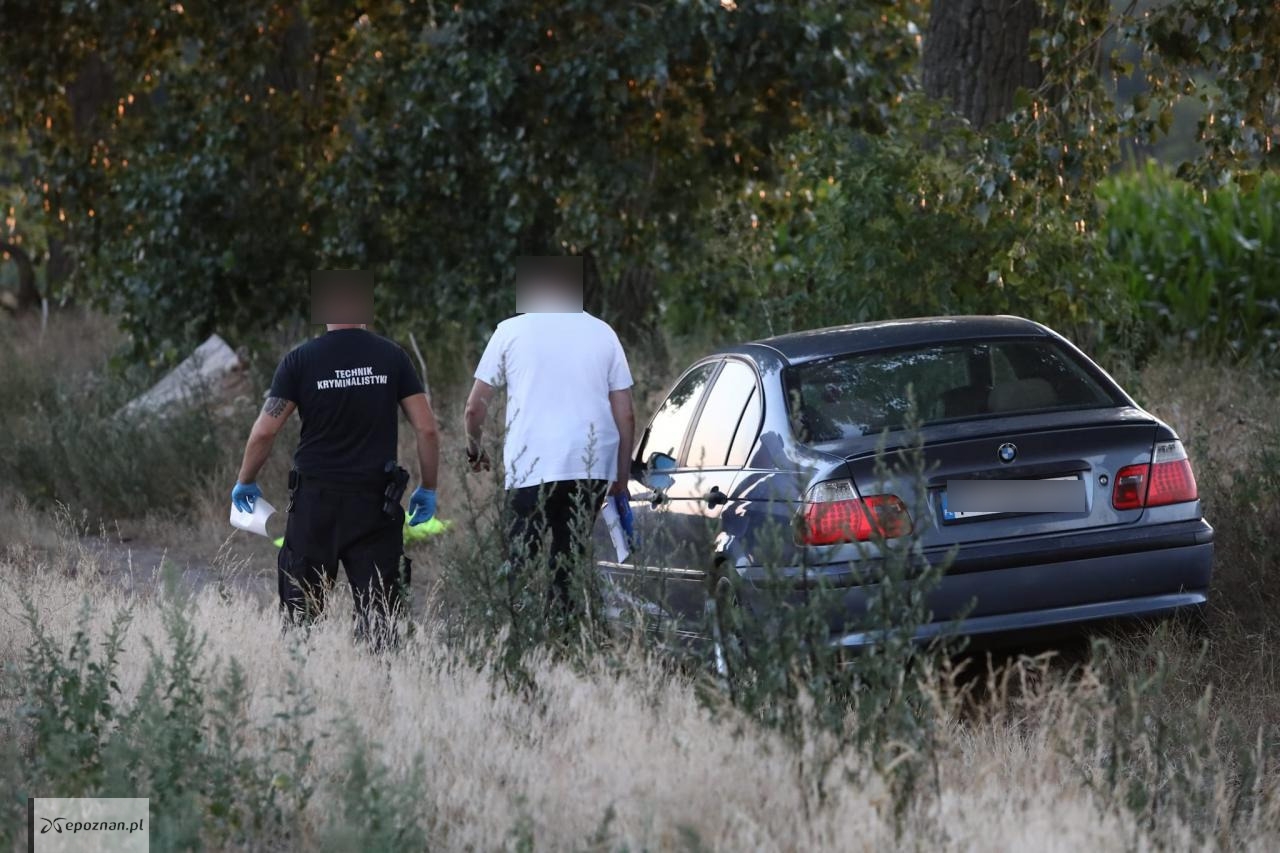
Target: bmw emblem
{"points": [[1007, 452]]}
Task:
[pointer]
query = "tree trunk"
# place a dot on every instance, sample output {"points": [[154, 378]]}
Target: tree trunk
{"points": [[58, 266], [977, 55], [88, 94], [629, 303], [28, 294]]}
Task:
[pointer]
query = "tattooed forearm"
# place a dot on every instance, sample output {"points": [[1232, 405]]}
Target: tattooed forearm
{"points": [[263, 436]]}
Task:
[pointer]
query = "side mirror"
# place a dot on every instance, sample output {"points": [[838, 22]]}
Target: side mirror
{"points": [[662, 462], [656, 471]]}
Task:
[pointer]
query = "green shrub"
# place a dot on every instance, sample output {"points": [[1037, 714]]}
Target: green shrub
{"points": [[184, 742], [779, 666], [61, 439], [1203, 265], [380, 812], [1245, 511], [867, 227], [495, 595], [1162, 750], [181, 742]]}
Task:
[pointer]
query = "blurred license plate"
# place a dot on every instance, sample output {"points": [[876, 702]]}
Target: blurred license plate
{"points": [[964, 499]]}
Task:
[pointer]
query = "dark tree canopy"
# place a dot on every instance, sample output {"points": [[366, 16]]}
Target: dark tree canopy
{"points": [[191, 165], [235, 146]]}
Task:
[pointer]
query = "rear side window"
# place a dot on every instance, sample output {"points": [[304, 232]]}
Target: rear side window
{"points": [[718, 422], [748, 429], [859, 395], [669, 426]]}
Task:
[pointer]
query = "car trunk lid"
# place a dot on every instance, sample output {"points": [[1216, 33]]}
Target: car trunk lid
{"points": [[1090, 447]]}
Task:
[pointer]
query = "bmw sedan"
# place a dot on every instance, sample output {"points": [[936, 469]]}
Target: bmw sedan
{"points": [[1052, 498]]}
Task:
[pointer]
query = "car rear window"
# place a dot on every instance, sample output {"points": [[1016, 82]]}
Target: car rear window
{"points": [[858, 395]]}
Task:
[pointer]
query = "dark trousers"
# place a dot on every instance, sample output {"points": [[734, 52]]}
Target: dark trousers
{"points": [[332, 523], [563, 512]]}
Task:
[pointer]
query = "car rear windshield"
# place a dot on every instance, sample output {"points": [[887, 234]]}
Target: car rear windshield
{"points": [[858, 395]]}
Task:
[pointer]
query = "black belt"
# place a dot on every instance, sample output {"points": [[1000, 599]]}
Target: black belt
{"points": [[355, 485], [390, 486]]}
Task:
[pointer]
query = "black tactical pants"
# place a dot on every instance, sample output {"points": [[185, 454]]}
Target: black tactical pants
{"points": [[333, 522], [564, 513]]}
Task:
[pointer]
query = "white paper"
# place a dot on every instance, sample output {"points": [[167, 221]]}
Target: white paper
{"points": [[253, 522], [616, 533]]}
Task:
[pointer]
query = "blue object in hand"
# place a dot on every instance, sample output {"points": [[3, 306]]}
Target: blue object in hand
{"points": [[422, 506], [244, 496], [622, 503]]}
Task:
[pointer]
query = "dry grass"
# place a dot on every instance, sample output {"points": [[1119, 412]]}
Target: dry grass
{"points": [[501, 766], [1229, 419], [1222, 413], [632, 737], [72, 343]]}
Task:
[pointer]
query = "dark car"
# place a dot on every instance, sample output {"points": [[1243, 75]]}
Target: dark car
{"points": [[1056, 499]]}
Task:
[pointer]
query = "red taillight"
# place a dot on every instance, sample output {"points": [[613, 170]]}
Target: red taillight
{"points": [[1167, 480], [1131, 487], [1171, 483], [833, 514]]}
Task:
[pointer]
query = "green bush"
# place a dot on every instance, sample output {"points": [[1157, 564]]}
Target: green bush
{"points": [[864, 227], [184, 742], [1162, 750], [61, 440], [181, 742], [1203, 265]]}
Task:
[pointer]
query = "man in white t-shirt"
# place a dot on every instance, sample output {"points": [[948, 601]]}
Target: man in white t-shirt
{"points": [[570, 424]]}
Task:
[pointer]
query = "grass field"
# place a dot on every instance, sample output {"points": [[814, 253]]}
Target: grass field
{"points": [[1159, 737]]}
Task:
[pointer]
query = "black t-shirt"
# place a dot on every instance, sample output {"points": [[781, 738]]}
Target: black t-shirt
{"points": [[347, 385]]}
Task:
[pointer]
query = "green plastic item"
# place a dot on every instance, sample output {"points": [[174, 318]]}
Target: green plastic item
{"points": [[412, 532], [425, 530]]}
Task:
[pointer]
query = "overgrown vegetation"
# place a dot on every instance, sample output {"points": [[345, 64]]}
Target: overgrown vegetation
{"points": [[865, 227], [186, 167], [185, 739], [1200, 267], [1164, 736], [63, 437], [730, 170]]}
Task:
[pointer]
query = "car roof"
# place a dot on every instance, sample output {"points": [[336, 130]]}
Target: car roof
{"points": [[799, 347]]}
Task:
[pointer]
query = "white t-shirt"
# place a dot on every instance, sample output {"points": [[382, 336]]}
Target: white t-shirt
{"points": [[559, 370]]}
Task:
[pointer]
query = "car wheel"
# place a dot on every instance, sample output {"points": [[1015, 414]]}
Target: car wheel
{"points": [[727, 645]]}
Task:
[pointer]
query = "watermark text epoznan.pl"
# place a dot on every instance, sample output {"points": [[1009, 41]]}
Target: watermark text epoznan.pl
{"points": [[71, 825], [59, 825]]}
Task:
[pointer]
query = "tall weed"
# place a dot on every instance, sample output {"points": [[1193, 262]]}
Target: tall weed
{"points": [[62, 441], [782, 666]]}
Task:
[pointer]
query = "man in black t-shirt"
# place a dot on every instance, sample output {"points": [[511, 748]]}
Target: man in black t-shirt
{"points": [[347, 386]]}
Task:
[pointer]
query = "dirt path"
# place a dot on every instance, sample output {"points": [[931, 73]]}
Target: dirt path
{"points": [[244, 565], [143, 567]]}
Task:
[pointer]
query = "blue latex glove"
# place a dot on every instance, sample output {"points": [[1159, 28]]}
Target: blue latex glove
{"points": [[422, 506], [622, 503], [244, 497]]}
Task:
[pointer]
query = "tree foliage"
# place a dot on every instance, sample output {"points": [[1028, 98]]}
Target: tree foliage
{"points": [[243, 144], [935, 215], [200, 161]]}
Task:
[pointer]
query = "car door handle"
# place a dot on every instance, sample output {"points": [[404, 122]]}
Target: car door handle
{"points": [[716, 498]]}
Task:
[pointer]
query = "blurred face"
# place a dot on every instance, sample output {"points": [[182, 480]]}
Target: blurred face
{"points": [[548, 285], [342, 297]]}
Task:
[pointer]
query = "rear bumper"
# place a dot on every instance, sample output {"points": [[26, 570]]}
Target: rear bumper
{"points": [[1148, 607], [1148, 572]]}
